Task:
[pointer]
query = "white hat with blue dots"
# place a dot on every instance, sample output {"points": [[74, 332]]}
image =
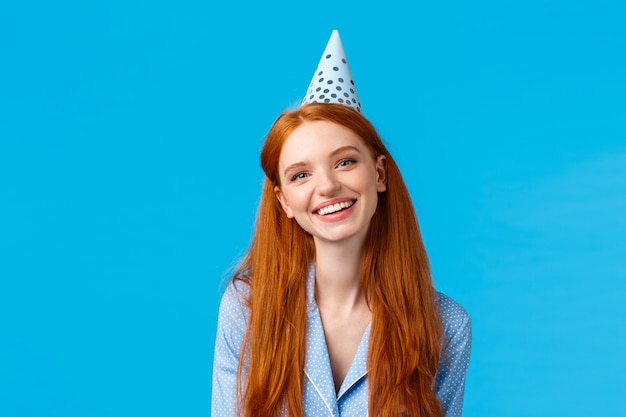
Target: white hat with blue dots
{"points": [[332, 81]]}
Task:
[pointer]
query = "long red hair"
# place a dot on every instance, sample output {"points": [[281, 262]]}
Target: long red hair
{"points": [[406, 331]]}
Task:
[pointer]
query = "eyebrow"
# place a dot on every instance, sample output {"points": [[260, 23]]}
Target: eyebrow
{"points": [[294, 167], [339, 150], [343, 149]]}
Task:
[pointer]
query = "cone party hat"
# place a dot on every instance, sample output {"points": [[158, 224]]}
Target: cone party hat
{"points": [[332, 81]]}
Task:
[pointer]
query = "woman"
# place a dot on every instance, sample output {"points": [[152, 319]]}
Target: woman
{"points": [[333, 311]]}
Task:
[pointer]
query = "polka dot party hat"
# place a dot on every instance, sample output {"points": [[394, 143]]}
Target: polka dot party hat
{"points": [[332, 81]]}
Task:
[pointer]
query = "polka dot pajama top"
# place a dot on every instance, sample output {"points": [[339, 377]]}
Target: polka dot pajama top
{"points": [[320, 398]]}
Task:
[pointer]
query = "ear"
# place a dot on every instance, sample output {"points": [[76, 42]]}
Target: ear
{"points": [[381, 173], [283, 202]]}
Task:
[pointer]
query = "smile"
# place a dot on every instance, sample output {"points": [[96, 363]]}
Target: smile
{"points": [[333, 208]]}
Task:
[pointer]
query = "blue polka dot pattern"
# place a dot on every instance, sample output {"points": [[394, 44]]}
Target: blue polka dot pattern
{"points": [[320, 398], [332, 81]]}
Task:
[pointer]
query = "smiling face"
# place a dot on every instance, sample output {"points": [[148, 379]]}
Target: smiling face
{"points": [[329, 182]]}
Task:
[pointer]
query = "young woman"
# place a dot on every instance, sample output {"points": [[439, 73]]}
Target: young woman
{"points": [[333, 311]]}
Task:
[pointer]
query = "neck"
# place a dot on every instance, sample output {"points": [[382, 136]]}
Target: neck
{"points": [[338, 280]]}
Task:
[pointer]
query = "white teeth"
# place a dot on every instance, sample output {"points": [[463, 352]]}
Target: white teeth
{"points": [[334, 208]]}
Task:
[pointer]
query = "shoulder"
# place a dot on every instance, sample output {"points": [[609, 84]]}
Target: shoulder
{"points": [[237, 291], [457, 346], [455, 319], [235, 298], [229, 338], [234, 311]]}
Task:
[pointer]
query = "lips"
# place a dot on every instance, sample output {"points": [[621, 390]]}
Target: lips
{"points": [[333, 208]]}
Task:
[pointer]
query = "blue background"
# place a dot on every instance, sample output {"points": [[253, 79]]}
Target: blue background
{"points": [[129, 178]]}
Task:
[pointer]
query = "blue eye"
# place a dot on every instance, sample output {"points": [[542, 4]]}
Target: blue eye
{"points": [[346, 162], [299, 176]]}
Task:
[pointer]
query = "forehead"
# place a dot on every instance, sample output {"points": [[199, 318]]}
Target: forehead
{"points": [[316, 138]]}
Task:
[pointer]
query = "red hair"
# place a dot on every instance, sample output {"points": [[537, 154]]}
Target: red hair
{"points": [[406, 331]]}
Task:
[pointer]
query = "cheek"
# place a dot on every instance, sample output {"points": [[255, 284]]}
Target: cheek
{"points": [[368, 182], [294, 202], [300, 203]]}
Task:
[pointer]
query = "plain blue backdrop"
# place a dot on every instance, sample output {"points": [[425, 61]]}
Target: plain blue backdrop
{"points": [[129, 178]]}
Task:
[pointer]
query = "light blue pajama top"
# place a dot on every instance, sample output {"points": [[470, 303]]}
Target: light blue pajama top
{"points": [[320, 398]]}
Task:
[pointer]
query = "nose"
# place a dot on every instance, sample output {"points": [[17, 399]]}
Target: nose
{"points": [[327, 183]]}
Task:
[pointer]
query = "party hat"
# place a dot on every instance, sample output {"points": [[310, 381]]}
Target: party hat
{"points": [[332, 81]]}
